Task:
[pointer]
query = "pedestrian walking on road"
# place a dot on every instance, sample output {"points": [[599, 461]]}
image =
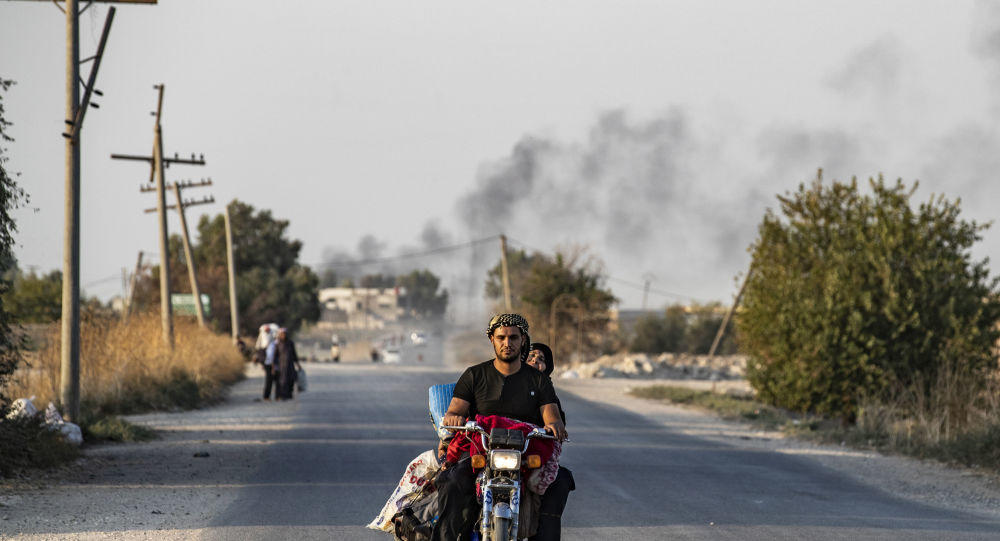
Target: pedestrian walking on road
{"points": [[264, 354], [287, 363]]}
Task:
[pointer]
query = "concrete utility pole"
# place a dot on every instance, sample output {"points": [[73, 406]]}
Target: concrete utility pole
{"points": [[75, 112], [159, 163], [504, 275], [166, 310], [192, 273], [234, 313], [132, 285]]}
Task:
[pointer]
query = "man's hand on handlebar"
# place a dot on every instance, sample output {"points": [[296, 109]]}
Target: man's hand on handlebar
{"points": [[557, 429], [453, 420]]}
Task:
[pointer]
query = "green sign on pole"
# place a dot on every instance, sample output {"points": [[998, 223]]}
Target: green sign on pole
{"points": [[183, 304]]}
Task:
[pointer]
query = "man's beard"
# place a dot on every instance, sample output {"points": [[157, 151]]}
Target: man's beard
{"points": [[514, 356]]}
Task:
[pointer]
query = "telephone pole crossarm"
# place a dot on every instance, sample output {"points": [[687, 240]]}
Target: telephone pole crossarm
{"points": [[133, 157], [187, 203], [182, 184]]}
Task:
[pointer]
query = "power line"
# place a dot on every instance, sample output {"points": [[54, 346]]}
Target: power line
{"points": [[654, 290], [622, 281], [103, 280], [411, 255]]}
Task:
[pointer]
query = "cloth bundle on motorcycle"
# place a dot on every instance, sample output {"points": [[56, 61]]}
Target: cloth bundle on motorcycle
{"points": [[415, 491], [537, 480]]}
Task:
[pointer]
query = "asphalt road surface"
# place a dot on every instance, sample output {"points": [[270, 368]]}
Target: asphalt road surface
{"points": [[322, 466], [635, 480]]}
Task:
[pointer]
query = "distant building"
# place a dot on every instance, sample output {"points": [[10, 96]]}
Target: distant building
{"points": [[359, 307]]}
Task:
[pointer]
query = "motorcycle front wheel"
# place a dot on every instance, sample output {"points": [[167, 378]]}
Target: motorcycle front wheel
{"points": [[501, 529]]}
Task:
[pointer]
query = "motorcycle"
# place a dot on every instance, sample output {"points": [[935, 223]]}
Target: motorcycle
{"points": [[500, 479]]}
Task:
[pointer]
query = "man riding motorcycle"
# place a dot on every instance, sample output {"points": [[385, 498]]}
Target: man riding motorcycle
{"points": [[503, 386]]}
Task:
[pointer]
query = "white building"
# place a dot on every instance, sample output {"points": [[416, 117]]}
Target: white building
{"points": [[359, 307]]}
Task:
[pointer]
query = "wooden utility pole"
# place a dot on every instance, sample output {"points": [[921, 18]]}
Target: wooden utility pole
{"points": [[504, 274], [234, 313], [192, 273], [159, 163], [729, 314], [132, 285], [69, 386]]}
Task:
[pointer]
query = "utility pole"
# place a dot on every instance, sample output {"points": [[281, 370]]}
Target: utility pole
{"points": [[192, 273], [69, 387], [234, 314], [648, 280], [729, 314], [132, 285], [166, 310], [504, 274], [159, 163]]}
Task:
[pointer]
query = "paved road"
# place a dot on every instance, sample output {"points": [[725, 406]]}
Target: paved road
{"points": [[359, 426], [320, 467]]}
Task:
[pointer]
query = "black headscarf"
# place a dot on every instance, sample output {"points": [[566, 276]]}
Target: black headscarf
{"points": [[547, 351]]}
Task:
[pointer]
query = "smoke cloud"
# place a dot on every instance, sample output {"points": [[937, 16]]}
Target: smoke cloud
{"points": [[679, 195]]}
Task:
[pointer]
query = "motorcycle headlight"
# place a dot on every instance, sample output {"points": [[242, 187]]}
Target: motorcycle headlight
{"points": [[505, 459]]}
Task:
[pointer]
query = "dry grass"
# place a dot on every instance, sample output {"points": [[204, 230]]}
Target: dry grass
{"points": [[955, 418], [124, 368]]}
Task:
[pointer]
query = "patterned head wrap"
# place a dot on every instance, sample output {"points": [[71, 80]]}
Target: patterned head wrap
{"points": [[511, 320]]}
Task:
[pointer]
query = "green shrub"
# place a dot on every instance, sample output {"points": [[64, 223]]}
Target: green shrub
{"points": [[853, 295], [682, 329], [97, 429]]}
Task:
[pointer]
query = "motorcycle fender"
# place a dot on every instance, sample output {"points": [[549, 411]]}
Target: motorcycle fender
{"points": [[502, 510]]}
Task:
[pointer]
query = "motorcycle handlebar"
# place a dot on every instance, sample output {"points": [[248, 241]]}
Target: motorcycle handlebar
{"points": [[537, 433]]}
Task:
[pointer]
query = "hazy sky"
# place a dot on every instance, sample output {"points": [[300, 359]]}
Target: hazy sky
{"points": [[654, 132]]}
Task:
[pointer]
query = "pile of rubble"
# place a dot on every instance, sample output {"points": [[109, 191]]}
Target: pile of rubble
{"points": [[662, 366]]}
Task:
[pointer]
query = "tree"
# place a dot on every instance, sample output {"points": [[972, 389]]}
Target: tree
{"points": [[35, 299], [518, 267], [378, 281], [569, 287], [422, 297], [853, 295], [703, 325], [655, 334], [271, 286], [11, 196], [681, 329]]}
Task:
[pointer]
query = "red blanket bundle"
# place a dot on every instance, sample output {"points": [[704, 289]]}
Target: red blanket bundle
{"points": [[472, 444]]}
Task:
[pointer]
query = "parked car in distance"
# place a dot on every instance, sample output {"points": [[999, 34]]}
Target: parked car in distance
{"points": [[391, 355]]}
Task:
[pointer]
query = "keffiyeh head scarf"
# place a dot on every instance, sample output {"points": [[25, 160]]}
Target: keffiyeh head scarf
{"points": [[511, 320]]}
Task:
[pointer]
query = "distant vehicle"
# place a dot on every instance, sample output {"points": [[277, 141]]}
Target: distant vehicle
{"points": [[418, 338], [391, 355], [335, 348]]}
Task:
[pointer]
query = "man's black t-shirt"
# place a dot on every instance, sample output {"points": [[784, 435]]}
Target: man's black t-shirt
{"points": [[517, 396]]}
